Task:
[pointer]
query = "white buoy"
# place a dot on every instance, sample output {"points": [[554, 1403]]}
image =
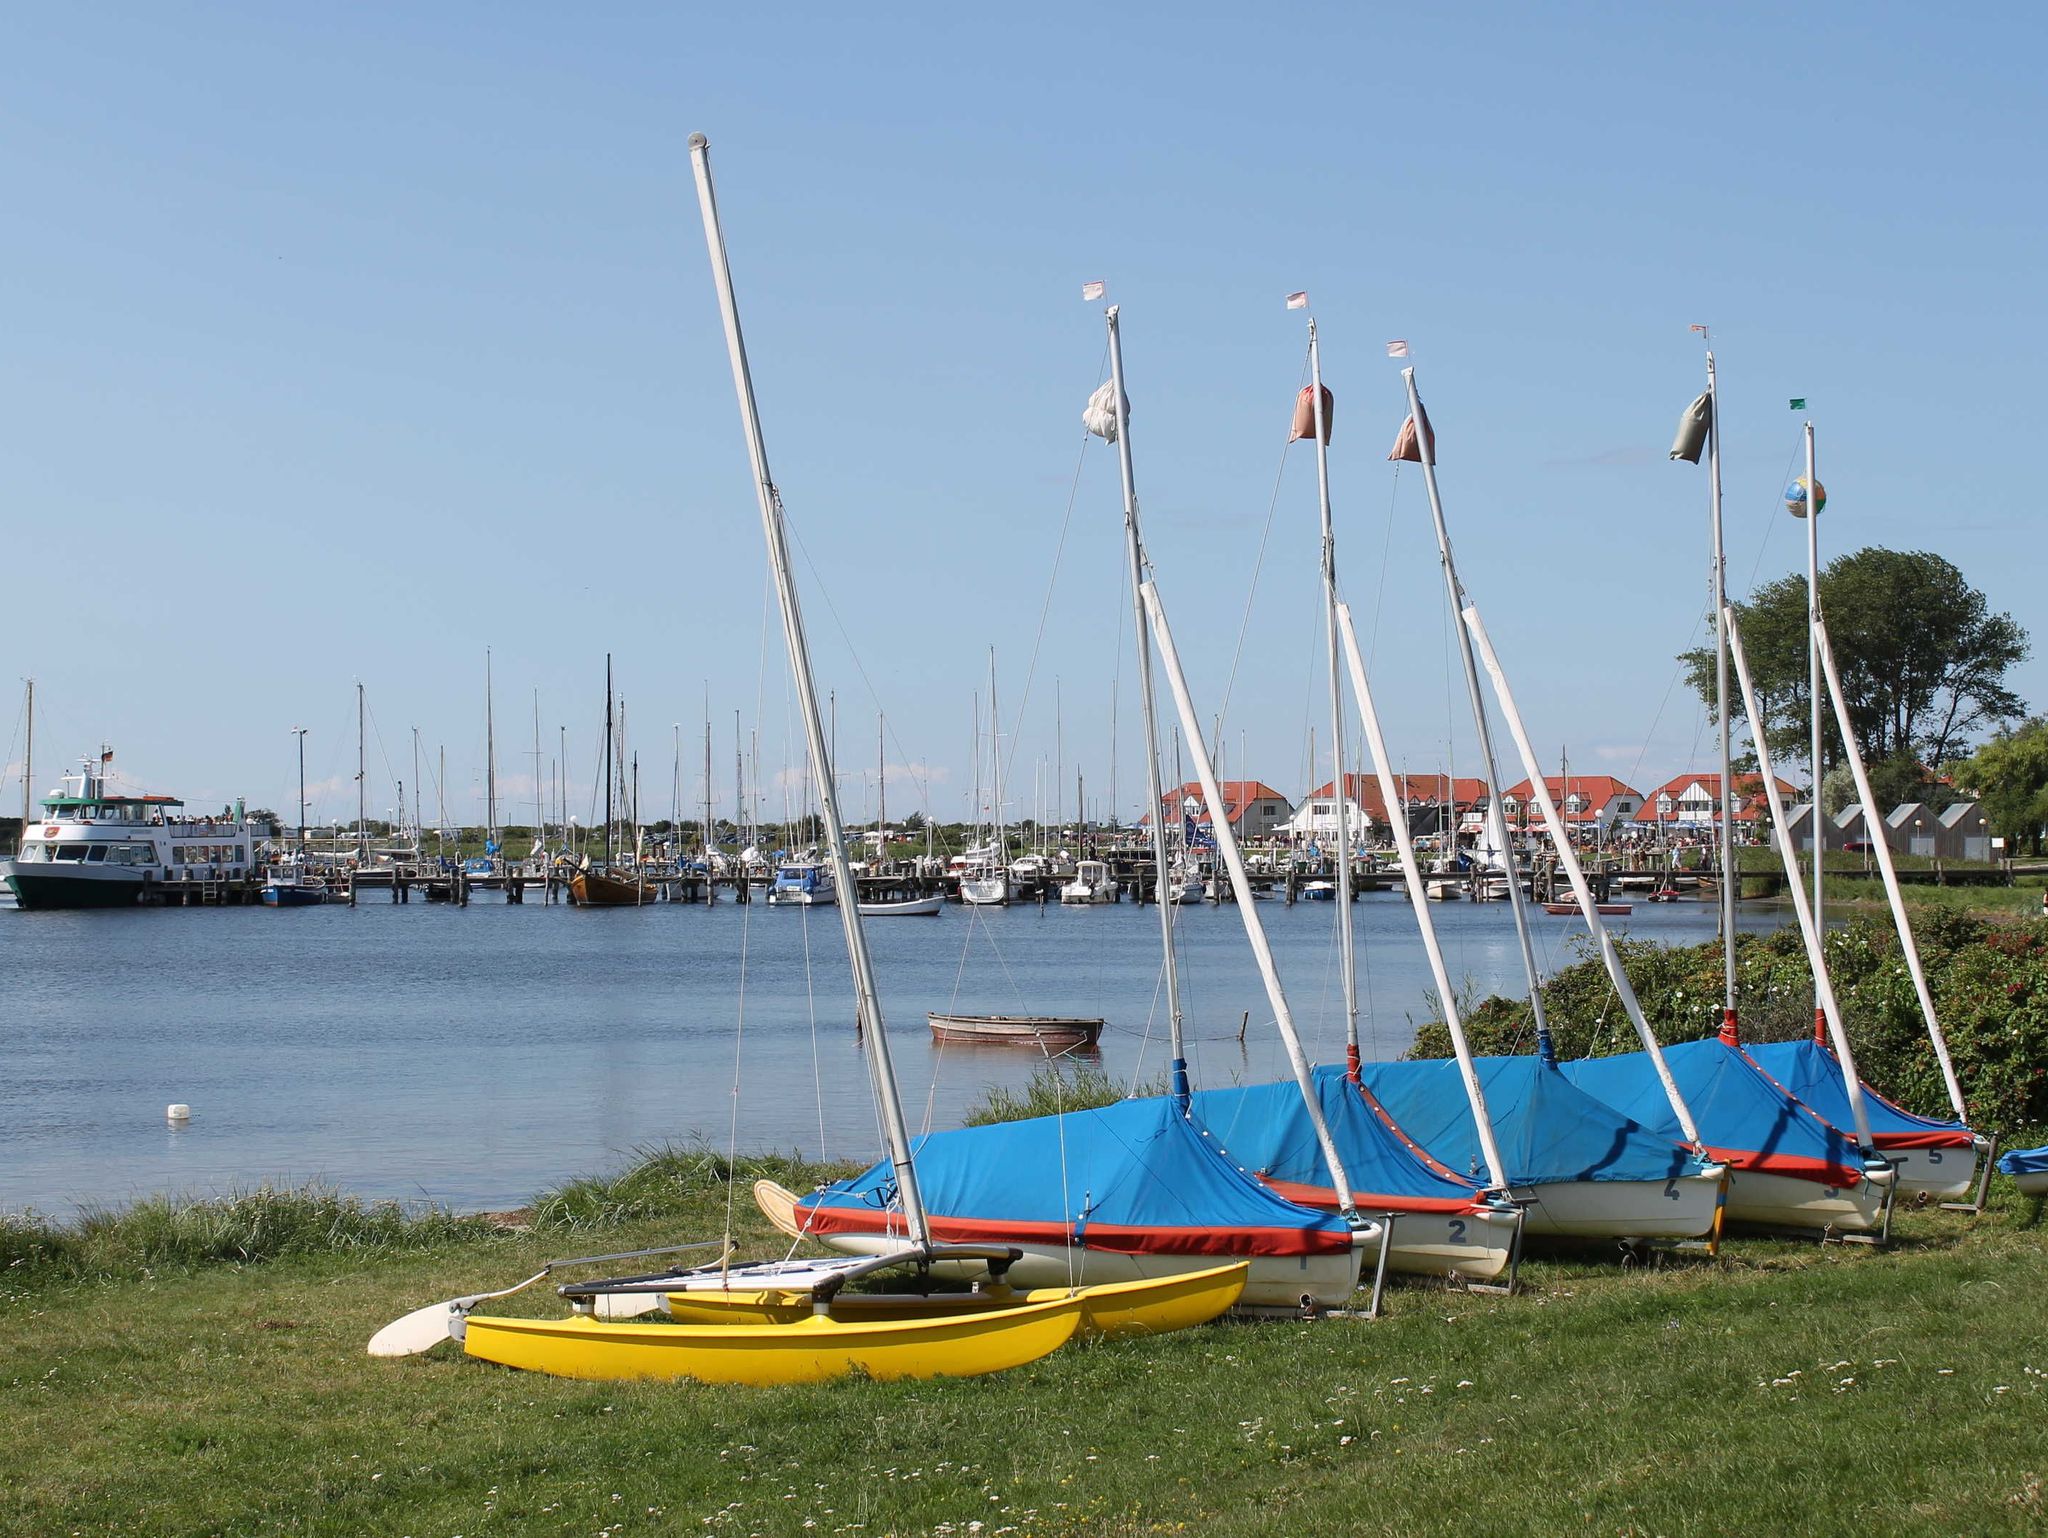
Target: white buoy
{"points": [[177, 1113]]}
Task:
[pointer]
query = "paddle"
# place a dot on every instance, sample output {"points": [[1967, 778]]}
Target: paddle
{"points": [[425, 1328]]}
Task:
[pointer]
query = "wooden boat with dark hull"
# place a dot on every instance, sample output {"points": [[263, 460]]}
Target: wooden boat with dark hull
{"points": [[599, 889], [1058, 1033]]}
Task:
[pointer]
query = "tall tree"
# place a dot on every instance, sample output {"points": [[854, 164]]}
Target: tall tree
{"points": [[2010, 776], [1922, 657]]}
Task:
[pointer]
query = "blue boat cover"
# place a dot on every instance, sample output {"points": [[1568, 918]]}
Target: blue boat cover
{"points": [[1267, 1130], [1136, 1177], [1548, 1129], [1813, 1073], [2025, 1161], [1744, 1119]]}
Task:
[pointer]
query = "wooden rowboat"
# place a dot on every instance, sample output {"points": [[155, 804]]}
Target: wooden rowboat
{"points": [[1063, 1033], [1605, 910], [909, 907], [595, 889]]}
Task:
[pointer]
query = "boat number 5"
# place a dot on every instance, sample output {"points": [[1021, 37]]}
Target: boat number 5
{"points": [[1457, 1230]]}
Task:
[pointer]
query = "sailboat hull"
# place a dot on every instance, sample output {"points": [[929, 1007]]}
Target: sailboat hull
{"points": [[811, 1350], [592, 889], [1786, 1201], [1679, 1208], [1936, 1174], [1474, 1243]]}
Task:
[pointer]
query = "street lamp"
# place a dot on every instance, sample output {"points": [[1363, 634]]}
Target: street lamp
{"points": [[300, 733]]}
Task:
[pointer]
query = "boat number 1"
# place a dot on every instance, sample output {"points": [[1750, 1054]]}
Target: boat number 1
{"points": [[1457, 1230]]}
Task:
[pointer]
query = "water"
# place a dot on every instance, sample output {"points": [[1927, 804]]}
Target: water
{"points": [[476, 1056]]}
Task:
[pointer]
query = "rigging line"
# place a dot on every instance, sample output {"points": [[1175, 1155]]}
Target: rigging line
{"points": [[1379, 597], [1045, 608], [1763, 547], [811, 1005], [739, 1034], [1052, 582], [1251, 594], [1677, 672]]}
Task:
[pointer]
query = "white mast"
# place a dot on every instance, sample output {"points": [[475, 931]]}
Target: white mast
{"points": [[362, 824], [1455, 591], [1134, 550], [490, 759], [1874, 827], [1247, 909], [1568, 861], [995, 772], [869, 1001], [540, 806], [1347, 962], [1411, 874], [1730, 880], [28, 772], [1814, 823], [1809, 921]]}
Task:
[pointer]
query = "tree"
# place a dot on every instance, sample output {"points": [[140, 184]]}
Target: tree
{"points": [[1893, 781], [2010, 776], [1922, 657]]}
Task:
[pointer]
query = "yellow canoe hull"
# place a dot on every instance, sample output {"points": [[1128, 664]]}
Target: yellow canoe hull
{"points": [[809, 1350], [1149, 1306]]}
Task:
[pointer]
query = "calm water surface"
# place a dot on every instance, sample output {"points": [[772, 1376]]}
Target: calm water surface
{"points": [[475, 1056]]}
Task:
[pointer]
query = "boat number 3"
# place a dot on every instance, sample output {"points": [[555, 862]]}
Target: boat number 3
{"points": [[1457, 1230], [1671, 1189]]}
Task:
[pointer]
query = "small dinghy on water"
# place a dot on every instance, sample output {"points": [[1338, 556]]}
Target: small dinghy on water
{"points": [[1936, 1159], [1581, 1169], [2028, 1168], [904, 908], [1047, 1033]]}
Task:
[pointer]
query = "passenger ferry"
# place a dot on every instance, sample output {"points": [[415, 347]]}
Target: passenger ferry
{"points": [[98, 847]]}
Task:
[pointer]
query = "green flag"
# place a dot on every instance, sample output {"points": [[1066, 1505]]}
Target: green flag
{"points": [[1798, 403]]}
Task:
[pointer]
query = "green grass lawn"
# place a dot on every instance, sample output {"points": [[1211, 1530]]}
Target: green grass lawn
{"points": [[1784, 1388]]}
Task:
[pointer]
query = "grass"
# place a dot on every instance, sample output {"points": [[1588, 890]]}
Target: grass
{"points": [[1785, 1387], [1052, 1091]]}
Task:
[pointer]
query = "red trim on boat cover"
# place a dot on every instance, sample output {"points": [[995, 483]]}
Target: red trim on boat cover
{"points": [[1324, 1199], [1111, 1238], [1821, 1171]]}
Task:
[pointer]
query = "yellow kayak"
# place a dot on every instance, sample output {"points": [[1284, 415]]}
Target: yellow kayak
{"points": [[1150, 1306], [808, 1350]]}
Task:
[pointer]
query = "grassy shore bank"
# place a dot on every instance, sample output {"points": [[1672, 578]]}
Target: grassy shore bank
{"points": [[1784, 1387]]}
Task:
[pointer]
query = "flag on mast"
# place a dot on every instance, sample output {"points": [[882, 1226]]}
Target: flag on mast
{"points": [[1093, 290], [1798, 403], [1298, 301], [1698, 329], [1398, 348]]}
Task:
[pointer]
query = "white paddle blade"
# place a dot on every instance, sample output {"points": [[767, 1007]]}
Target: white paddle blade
{"points": [[421, 1330], [425, 1328]]}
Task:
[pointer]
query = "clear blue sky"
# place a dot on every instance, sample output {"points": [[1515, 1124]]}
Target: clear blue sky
{"points": [[340, 343]]}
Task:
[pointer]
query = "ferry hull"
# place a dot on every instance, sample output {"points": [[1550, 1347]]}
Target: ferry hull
{"points": [[103, 888]]}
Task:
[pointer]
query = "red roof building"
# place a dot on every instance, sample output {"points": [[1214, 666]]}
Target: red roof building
{"points": [[1254, 809], [1694, 801], [1417, 791], [1584, 800]]}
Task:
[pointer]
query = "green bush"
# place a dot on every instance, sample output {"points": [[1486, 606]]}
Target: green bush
{"points": [[1989, 982], [1053, 1091], [666, 1181]]}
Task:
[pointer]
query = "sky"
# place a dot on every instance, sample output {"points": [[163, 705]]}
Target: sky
{"points": [[341, 344]]}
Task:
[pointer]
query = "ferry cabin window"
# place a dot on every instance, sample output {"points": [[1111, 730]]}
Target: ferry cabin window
{"points": [[96, 852], [69, 851]]}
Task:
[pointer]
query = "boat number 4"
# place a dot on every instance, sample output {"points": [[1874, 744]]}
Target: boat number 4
{"points": [[1671, 1188]]}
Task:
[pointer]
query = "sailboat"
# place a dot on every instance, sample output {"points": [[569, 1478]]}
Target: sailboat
{"points": [[762, 1333], [2028, 1168], [985, 880], [607, 885], [1790, 1167], [1138, 1188]]}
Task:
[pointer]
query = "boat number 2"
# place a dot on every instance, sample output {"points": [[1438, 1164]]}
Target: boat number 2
{"points": [[1671, 1189], [1457, 1230]]}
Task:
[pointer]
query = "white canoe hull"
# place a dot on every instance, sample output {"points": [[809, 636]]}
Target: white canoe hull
{"points": [[911, 907], [985, 891], [1276, 1281], [1936, 1174], [1622, 1209], [2034, 1183], [1786, 1201]]}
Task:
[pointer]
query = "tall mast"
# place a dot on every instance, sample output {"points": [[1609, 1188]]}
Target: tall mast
{"points": [[1059, 757], [28, 772], [1730, 881], [418, 837], [739, 794], [1813, 680], [490, 758], [708, 825], [1455, 590], [607, 758], [881, 786], [1134, 551], [362, 825], [1347, 962], [540, 810], [441, 796], [995, 772], [873, 1032]]}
